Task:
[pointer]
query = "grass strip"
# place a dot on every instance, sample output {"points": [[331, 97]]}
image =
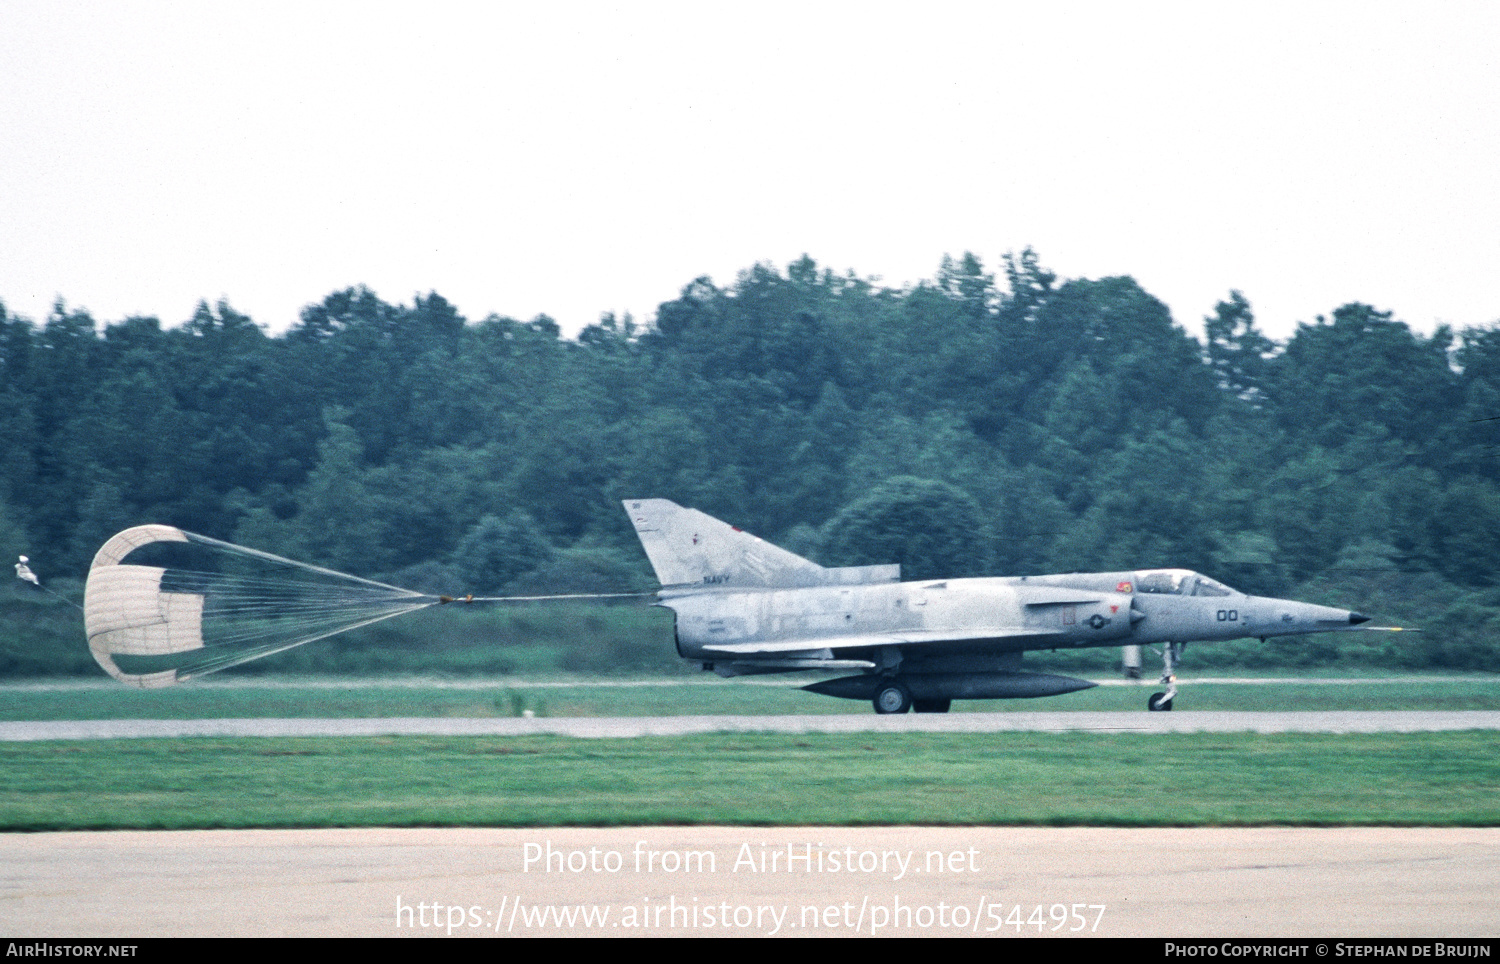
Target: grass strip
{"points": [[1429, 779]]}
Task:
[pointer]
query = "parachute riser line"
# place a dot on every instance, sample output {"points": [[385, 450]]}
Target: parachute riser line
{"points": [[282, 560], [178, 622], [257, 654], [582, 595]]}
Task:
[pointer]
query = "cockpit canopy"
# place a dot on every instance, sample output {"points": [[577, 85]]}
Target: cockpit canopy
{"points": [[1179, 582]]}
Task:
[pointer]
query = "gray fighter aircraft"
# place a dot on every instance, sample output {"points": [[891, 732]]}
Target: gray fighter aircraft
{"points": [[744, 606]]}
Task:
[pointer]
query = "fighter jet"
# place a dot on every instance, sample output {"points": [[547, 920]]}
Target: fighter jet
{"points": [[743, 606]]}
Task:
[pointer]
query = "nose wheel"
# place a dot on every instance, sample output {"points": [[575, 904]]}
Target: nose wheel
{"points": [[1162, 702]]}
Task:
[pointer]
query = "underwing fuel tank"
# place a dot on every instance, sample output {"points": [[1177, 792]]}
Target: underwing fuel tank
{"points": [[954, 686]]}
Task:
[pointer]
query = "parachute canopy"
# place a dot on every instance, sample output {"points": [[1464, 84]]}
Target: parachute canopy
{"points": [[211, 605]]}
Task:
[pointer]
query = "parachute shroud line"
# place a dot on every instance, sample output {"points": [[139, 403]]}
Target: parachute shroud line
{"points": [[242, 604], [258, 605]]}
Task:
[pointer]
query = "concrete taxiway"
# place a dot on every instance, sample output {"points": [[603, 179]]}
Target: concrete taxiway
{"points": [[708, 881]]}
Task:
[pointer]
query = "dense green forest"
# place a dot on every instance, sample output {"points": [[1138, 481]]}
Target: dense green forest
{"points": [[982, 422]]}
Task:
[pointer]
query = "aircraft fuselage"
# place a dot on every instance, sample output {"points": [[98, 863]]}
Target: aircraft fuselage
{"points": [[1063, 612], [745, 606]]}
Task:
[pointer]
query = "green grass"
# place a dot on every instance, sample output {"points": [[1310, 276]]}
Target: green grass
{"points": [[1010, 778], [700, 695], [1440, 779]]}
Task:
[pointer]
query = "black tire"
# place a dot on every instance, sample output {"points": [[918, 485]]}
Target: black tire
{"points": [[892, 698], [1159, 702], [931, 706]]}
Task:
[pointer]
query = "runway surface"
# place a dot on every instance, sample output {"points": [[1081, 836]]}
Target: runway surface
{"points": [[709, 881], [1379, 721], [707, 680]]}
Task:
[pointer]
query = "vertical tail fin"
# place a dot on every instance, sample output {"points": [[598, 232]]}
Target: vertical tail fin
{"points": [[689, 548]]}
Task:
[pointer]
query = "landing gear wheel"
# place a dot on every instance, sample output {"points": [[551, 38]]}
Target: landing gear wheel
{"points": [[892, 698], [931, 706], [1160, 702]]}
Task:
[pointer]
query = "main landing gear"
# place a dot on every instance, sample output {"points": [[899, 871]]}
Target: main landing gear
{"points": [[892, 697], [1161, 702]]}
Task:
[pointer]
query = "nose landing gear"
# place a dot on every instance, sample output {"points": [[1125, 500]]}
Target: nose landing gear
{"points": [[1161, 702]]}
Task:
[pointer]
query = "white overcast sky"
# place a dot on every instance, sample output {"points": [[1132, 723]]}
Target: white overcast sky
{"points": [[571, 159]]}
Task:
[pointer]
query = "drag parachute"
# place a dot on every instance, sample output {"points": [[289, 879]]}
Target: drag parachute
{"points": [[206, 605], [210, 605]]}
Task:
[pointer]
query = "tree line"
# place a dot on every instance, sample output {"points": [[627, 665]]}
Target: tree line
{"points": [[984, 421]]}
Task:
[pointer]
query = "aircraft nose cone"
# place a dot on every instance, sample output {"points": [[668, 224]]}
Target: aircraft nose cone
{"points": [[1356, 618]]}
